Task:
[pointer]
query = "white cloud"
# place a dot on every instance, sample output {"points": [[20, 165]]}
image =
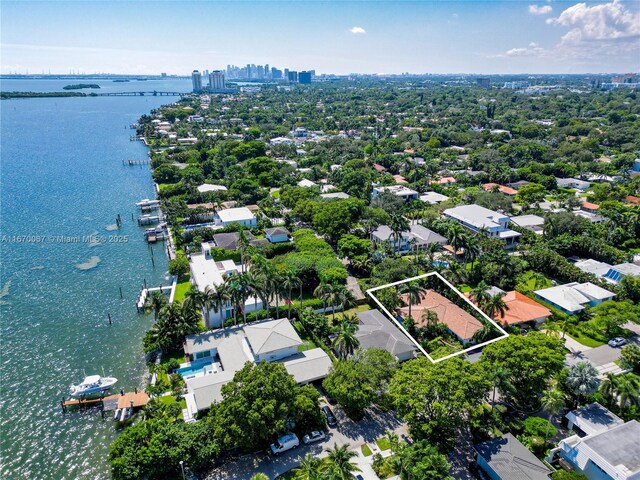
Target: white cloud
{"points": [[607, 21], [540, 10], [533, 50], [357, 30]]}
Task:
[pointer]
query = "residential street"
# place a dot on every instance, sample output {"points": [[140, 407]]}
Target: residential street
{"points": [[602, 357], [374, 425]]}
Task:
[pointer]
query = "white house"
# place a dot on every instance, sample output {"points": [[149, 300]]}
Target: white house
{"points": [[610, 273], [277, 234], [241, 215], [433, 198], [305, 183], [574, 297], [417, 235], [398, 190], [604, 447], [208, 273], [477, 218], [216, 356], [208, 187], [335, 195], [581, 185], [535, 223]]}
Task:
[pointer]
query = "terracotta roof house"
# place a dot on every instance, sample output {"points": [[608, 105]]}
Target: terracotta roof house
{"points": [[445, 181], [520, 309], [379, 168], [399, 179], [632, 199], [460, 322], [589, 207], [489, 187]]}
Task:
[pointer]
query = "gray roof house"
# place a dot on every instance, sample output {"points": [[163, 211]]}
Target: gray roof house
{"points": [[230, 240], [377, 331], [505, 458], [216, 356], [605, 447], [277, 234], [422, 237]]}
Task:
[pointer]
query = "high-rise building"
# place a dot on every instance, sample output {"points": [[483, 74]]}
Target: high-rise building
{"points": [[216, 80], [292, 76], [304, 78], [276, 74], [196, 81], [484, 82]]}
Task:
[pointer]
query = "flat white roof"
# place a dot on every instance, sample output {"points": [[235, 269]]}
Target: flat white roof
{"points": [[207, 272], [231, 215], [433, 197], [593, 266], [479, 217], [528, 220], [572, 296], [306, 183], [308, 366], [208, 187], [399, 190]]}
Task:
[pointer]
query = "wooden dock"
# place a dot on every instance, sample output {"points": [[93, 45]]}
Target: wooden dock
{"points": [[110, 402], [135, 162]]}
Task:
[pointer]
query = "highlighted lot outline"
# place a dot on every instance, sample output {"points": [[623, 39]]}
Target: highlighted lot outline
{"points": [[401, 327]]}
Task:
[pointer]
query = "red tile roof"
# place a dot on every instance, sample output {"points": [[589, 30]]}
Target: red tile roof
{"points": [[379, 167], [590, 206], [399, 179], [521, 309], [459, 321], [501, 188], [632, 199]]}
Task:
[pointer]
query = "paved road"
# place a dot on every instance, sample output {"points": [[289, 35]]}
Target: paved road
{"points": [[598, 356], [374, 425]]}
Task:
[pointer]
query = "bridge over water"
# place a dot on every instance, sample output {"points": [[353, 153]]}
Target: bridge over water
{"points": [[142, 94]]}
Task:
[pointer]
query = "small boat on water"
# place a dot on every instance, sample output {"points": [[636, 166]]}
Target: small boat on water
{"points": [[92, 385]]}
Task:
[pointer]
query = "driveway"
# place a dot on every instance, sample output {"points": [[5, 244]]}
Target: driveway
{"points": [[602, 357], [373, 426]]}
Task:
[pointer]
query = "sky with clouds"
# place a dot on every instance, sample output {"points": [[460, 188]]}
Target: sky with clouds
{"points": [[341, 37]]}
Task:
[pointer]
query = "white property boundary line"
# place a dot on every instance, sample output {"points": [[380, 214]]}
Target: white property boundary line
{"points": [[401, 327]]}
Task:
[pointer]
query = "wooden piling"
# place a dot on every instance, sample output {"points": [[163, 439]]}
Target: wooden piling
{"points": [[120, 293], [109, 316]]}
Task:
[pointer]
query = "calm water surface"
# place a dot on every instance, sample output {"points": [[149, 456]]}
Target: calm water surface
{"points": [[61, 178]]}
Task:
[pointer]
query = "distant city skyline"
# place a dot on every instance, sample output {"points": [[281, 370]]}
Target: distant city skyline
{"points": [[491, 37]]}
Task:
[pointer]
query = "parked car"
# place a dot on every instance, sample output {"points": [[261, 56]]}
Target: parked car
{"points": [[617, 342], [285, 443], [331, 418], [314, 436]]}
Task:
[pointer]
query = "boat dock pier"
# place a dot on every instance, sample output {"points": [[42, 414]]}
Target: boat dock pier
{"points": [[150, 219], [147, 205], [109, 403], [146, 292], [135, 162]]}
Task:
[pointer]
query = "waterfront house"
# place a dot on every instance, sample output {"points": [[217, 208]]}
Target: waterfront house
{"points": [[206, 272], [277, 235], [574, 297], [377, 331], [215, 357], [417, 236], [604, 447], [240, 215], [477, 218]]}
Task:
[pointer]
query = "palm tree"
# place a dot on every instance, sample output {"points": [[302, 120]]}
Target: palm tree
{"points": [[323, 291], [430, 318], [495, 306], [553, 401], [471, 250], [154, 303], [243, 243], [484, 333], [274, 287], [398, 226], [500, 378], [414, 291], [628, 391], [310, 468], [260, 476], [339, 462], [609, 387], [582, 380], [194, 299], [480, 294], [255, 287], [346, 342], [338, 294], [289, 282], [215, 299]]}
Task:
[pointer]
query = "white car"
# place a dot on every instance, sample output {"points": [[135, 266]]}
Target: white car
{"points": [[314, 436], [284, 443], [617, 342]]}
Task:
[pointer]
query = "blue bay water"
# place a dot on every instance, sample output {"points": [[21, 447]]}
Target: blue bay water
{"points": [[61, 175]]}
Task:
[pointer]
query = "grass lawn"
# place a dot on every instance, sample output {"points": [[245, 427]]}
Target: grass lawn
{"points": [[366, 451], [167, 357], [181, 290], [531, 282], [383, 443], [582, 338], [464, 288], [307, 345], [351, 311]]}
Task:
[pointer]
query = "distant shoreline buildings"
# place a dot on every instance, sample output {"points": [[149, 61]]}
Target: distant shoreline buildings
{"points": [[216, 79]]}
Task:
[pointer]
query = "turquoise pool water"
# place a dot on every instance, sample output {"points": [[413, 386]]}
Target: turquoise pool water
{"points": [[194, 369]]}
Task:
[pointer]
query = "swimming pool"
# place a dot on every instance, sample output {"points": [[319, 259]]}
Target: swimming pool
{"points": [[195, 369]]}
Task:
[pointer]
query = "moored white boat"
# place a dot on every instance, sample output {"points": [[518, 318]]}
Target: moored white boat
{"points": [[91, 385]]}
